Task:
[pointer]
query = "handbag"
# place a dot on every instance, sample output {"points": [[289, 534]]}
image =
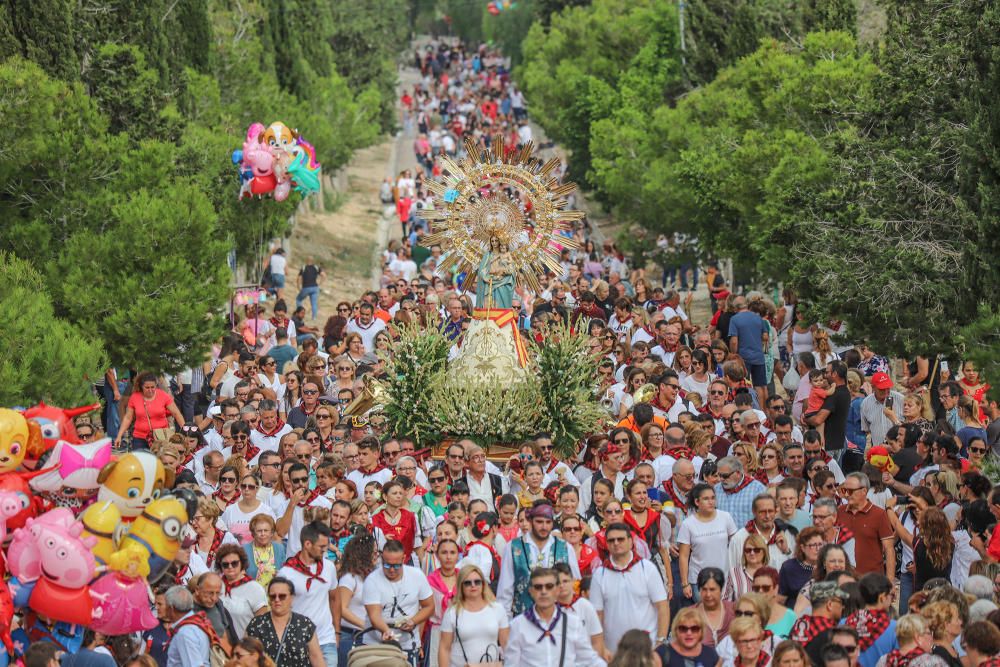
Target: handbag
{"points": [[489, 662], [156, 433]]}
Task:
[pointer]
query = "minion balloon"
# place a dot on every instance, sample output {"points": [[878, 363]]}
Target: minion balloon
{"points": [[158, 531]]}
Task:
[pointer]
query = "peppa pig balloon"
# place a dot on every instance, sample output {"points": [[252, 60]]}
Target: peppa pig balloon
{"points": [[65, 563]]}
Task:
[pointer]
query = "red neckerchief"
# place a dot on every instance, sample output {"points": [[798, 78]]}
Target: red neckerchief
{"points": [[753, 530], [761, 440], [378, 468], [269, 434], [744, 483], [948, 500], [897, 659], [313, 495], [295, 562], [669, 348], [279, 322], [187, 460], [610, 564], [870, 624], [236, 584], [761, 476], [668, 486], [357, 322], [251, 451], [826, 458], [576, 596], [216, 543], [553, 465], [707, 410], [731, 397], [681, 452], [655, 402], [992, 662], [630, 519], [343, 532], [179, 577], [762, 659], [199, 620], [808, 627], [218, 494]]}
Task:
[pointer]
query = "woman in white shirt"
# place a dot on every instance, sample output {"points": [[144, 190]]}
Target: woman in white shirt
{"points": [[238, 515], [475, 627], [703, 538]]}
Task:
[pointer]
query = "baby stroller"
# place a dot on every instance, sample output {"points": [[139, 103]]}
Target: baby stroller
{"points": [[385, 654]]}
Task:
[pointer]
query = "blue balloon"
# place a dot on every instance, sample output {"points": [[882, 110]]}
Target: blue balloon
{"points": [[237, 156]]}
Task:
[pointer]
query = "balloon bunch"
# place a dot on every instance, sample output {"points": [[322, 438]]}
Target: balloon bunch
{"points": [[274, 160], [247, 297], [494, 7]]}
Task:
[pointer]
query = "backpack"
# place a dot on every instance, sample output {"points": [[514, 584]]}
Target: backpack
{"points": [[217, 654]]}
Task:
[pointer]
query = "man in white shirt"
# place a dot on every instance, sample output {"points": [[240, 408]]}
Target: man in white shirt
{"points": [[291, 512], [370, 468], [537, 636], [781, 543], [628, 592], [270, 429], [366, 325], [315, 581], [668, 403], [397, 598]]}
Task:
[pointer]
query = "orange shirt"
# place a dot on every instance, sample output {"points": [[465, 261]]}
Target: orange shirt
{"points": [[629, 423]]}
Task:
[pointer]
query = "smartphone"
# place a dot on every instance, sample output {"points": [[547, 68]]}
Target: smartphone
{"points": [[944, 365]]}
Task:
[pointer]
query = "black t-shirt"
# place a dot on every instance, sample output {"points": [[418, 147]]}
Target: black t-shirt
{"points": [[671, 658], [907, 459], [310, 275], [835, 426], [924, 569]]}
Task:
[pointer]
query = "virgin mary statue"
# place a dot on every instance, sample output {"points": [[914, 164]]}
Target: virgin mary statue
{"points": [[495, 279]]}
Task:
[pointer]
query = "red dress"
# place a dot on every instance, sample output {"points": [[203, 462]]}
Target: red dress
{"points": [[405, 530]]}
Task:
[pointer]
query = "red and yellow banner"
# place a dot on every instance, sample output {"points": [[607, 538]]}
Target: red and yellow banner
{"points": [[505, 318]]}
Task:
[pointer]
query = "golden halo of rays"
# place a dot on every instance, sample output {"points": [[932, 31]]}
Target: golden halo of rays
{"points": [[463, 227]]}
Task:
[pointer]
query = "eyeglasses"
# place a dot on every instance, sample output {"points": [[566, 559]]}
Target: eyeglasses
{"points": [[543, 587], [689, 475], [549, 448], [611, 511], [616, 540], [768, 457], [752, 425], [345, 368], [229, 563], [818, 468], [407, 469], [571, 529], [343, 309], [688, 629], [228, 480], [278, 597], [392, 566], [394, 453], [248, 487], [813, 545], [313, 440], [468, 583], [739, 612], [749, 640], [761, 589], [303, 457], [821, 516]]}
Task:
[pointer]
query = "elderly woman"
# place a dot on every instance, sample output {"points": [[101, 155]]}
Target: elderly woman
{"points": [[749, 639], [915, 639], [946, 626], [209, 536], [754, 606], [264, 555], [243, 597], [687, 642]]}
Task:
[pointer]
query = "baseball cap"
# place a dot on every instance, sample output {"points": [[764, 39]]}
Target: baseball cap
{"points": [[882, 381], [822, 591]]}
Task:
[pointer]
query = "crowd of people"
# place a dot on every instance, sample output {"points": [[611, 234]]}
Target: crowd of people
{"points": [[767, 492]]}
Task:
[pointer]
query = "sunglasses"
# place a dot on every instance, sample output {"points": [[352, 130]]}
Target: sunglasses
{"points": [[761, 589], [313, 440], [768, 457], [685, 629], [248, 487], [278, 597], [229, 564], [241, 438], [621, 442], [974, 450], [543, 587], [472, 582], [228, 480], [87, 434], [310, 392], [435, 480], [299, 480], [717, 393], [572, 529], [323, 417], [616, 540], [392, 566], [753, 550]]}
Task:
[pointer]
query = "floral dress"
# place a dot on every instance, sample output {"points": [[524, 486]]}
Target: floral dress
{"points": [[292, 648]]}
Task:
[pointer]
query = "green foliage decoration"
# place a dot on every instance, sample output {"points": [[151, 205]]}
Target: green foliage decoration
{"points": [[419, 358]]}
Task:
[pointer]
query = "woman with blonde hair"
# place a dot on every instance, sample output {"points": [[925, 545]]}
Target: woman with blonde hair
{"points": [[747, 455], [915, 639], [739, 581], [822, 352], [918, 412], [772, 464], [475, 626], [686, 646], [945, 624], [748, 636]]}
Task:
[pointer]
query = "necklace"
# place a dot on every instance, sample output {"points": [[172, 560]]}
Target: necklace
{"points": [[714, 629]]}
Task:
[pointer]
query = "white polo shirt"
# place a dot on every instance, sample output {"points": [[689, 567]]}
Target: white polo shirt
{"points": [[627, 599]]}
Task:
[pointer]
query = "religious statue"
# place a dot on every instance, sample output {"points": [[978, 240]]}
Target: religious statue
{"points": [[495, 279]]}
